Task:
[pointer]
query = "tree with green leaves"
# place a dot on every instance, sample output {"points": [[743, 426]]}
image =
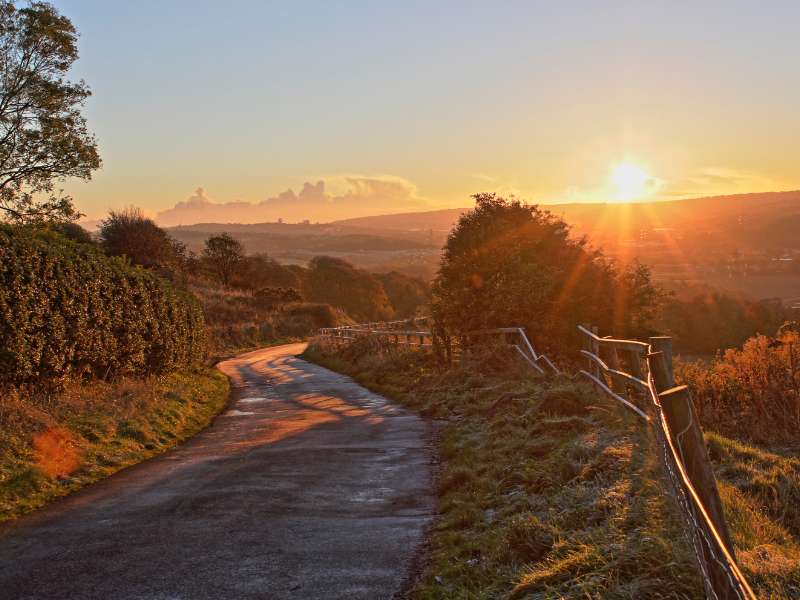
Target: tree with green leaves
{"points": [[336, 282], [43, 135], [511, 264], [129, 233], [224, 257]]}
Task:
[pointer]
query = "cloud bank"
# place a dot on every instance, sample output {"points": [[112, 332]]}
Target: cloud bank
{"points": [[359, 196]]}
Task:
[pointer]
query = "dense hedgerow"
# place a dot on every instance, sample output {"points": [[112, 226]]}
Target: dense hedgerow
{"points": [[67, 310]]}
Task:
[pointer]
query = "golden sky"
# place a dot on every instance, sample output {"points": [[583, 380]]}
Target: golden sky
{"points": [[413, 105]]}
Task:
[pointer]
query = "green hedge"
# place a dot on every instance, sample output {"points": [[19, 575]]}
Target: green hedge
{"points": [[67, 310]]}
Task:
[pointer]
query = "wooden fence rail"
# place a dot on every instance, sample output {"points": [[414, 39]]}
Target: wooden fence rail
{"points": [[648, 388], [514, 337], [638, 375]]}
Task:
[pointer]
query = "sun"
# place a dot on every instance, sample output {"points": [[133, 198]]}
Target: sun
{"points": [[630, 181]]}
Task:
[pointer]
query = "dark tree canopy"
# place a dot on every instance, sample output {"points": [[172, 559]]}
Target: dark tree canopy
{"points": [[408, 295], [129, 233], [259, 271], [223, 257], [510, 264], [43, 135], [338, 283]]}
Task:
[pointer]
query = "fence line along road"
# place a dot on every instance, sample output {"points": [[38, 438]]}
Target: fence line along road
{"points": [[649, 390], [391, 331], [638, 375]]}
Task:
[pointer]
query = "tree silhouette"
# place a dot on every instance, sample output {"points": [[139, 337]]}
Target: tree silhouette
{"points": [[224, 256], [43, 135]]}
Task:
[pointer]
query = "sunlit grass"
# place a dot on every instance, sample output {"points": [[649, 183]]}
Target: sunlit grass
{"points": [[51, 445], [545, 490]]}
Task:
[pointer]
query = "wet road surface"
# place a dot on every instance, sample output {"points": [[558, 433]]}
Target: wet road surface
{"points": [[307, 486]]}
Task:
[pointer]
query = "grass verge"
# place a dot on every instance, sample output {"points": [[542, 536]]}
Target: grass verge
{"points": [[760, 491], [54, 444]]}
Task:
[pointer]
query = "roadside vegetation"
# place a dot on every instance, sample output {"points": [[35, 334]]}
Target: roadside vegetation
{"points": [[751, 393], [545, 490], [548, 490], [53, 443]]}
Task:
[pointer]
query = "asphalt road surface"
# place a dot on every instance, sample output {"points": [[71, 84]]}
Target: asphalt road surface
{"points": [[307, 486]]}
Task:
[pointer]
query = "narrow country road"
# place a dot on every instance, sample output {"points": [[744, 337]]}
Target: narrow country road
{"points": [[307, 486]]}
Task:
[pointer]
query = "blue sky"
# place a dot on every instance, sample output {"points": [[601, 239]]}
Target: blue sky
{"points": [[541, 99]]}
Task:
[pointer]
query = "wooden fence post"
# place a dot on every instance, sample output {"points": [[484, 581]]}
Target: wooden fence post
{"points": [[587, 345], [613, 362], [660, 362], [687, 436], [595, 347]]}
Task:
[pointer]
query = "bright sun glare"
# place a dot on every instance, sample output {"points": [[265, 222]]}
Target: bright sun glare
{"points": [[630, 181]]}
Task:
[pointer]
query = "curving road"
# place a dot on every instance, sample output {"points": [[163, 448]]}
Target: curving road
{"points": [[308, 486]]}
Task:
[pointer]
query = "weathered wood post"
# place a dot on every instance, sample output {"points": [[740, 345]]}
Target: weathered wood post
{"points": [[596, 351], [586, 344], [687, 436], [660, 362], [613, 362]]}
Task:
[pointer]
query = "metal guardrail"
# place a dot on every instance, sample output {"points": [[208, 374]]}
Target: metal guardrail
{"points": [[649, 390]]}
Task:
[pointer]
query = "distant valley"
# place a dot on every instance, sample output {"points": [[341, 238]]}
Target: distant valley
{"points": [[747, 243]]}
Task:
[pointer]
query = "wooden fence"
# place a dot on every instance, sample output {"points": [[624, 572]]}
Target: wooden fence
{"points": [[639, 375], [393, 332]]}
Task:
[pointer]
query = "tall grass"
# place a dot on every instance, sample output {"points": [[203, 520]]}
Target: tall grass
{"points": [[752, 393]]}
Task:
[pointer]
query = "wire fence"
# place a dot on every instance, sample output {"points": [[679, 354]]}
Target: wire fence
{"points": [[639, 376], [649, 390]]}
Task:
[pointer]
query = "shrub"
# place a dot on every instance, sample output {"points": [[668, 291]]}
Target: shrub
{"points": [[260, 271], [357, 292], [509, 264], [270, 297], [66, 309], [129, 233], [320, 315], [752, 393], [407, 294]]}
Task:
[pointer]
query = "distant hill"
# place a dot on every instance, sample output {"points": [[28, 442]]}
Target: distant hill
{"points": [[760, 220], [745, 242]]}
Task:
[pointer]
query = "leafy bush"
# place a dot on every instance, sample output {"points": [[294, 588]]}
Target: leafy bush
{"points": [[270, 297], [406, 294], [334, 281], [129, 233], [66, 309], [752, 393], [259, 271]]}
